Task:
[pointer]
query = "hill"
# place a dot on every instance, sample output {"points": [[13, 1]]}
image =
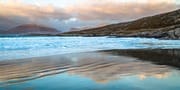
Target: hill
{"points": [[31, 29], [166, 25]]}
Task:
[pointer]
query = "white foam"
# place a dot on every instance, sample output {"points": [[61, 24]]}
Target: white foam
{"points": [[26, 47]]}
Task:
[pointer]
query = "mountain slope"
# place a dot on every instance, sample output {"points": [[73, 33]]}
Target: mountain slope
{"points": [[165, 25], [31, 29]]}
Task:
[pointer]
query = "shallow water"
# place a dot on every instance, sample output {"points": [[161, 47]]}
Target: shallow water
{"points": [[89, 63], [76, 82], [102, 70]]}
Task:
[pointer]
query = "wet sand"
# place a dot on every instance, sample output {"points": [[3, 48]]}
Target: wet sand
{"points": [[101, 66]]}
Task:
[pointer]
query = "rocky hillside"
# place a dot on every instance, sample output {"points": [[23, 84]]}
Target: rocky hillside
{"points": [[166, 25], [31, 29]]}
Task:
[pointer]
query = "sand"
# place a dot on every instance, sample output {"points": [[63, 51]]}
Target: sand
{"points": [[101, 66]]}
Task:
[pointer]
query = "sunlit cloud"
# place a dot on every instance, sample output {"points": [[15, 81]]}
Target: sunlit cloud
{"points": [[31, 11], [121, 10]]}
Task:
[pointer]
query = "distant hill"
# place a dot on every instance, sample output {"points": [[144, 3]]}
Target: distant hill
{"points": [[30, 29], [165, 25], [75, 29]]}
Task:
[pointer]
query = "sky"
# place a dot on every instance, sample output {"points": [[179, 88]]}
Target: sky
{"points": [[66, 15]]}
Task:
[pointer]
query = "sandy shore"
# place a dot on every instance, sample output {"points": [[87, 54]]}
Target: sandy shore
{"points": [[101, 66]]}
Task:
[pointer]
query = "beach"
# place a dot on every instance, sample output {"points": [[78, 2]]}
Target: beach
{"points": [[90, 45], [102, 67]]}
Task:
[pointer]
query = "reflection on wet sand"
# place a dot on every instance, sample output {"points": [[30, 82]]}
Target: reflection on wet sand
{"points": [[102, 67], [169, 57]]}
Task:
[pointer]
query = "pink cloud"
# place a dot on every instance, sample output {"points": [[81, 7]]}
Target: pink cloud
{"points": [[111, 10], [12, 8]]}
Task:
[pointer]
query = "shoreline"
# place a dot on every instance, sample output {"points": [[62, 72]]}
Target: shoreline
{"points": [[89, 35]]}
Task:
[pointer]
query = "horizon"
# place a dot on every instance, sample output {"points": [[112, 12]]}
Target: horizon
{"points": [[89, 44], [79, 14]]}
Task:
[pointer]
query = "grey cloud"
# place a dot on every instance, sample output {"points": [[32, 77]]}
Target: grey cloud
{"points": [[19, 13]]}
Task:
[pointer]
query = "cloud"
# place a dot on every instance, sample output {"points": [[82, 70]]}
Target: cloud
{"points": [[16, 12], [83, 13], [121, 10], [12, 8]]}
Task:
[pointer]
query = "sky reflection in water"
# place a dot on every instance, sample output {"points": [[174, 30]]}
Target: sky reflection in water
{"points": [[104, 70]]}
